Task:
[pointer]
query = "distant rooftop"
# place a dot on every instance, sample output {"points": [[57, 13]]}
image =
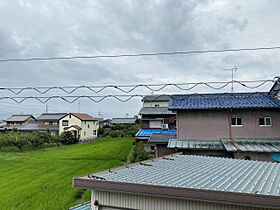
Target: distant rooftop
{"points": [[19, 118], [155, 111], [156, 98], [84, 117], [33, 126], [149, 132], [123, 120], [223, 101], [51, 116]]}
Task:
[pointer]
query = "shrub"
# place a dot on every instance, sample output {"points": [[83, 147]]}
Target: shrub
{"points": [[18, 139], [137, 154], [68, 138], [4, 141]]}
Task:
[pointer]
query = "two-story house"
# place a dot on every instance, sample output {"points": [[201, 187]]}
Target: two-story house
{"points": [[156, 119], [238, 125], [46, 121], [83, 126], [18, 120]]}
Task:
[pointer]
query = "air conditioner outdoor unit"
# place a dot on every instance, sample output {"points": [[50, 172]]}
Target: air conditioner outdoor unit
{"points": [[164, 126]]}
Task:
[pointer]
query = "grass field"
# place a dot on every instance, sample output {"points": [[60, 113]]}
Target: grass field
{"points": [[42, 179]]}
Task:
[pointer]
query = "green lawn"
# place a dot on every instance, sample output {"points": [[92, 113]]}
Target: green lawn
{"points": [[42, 179]]}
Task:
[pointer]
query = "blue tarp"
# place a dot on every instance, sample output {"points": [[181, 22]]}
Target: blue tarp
{"points": [[275, 156]]}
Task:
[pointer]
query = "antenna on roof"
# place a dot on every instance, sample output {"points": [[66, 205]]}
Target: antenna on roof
{"points": [[234, 69]]}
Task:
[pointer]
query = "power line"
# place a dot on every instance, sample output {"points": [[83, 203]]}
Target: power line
{"points": [[131, 88], [135, 55], [125, 98]]}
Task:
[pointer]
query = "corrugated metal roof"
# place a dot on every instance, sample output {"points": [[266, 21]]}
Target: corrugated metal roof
{"points": [[33, 126], [196, 144], [149, 132], [161, 137], [156, 111], [123, 121], [51, 116], [83, 206], [223, 101], [156, 98], [252, 145], [19, 118], [208, 173]]}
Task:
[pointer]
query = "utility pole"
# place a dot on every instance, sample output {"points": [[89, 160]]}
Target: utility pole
{"points": [[47, 108], [234, 69], [79, 106], [99, 115]]}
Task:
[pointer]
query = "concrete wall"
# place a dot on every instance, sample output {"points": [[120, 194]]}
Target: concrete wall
{"points": [[131, 201], [214, 124]]}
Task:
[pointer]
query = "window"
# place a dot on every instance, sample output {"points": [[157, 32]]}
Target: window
{"points": [[85, 133], [88, 125], [64, 122], [85, 122], [156, 105], [47, 123], [50, 123], [236, 121], [265, 121], [94, 132], [69, 115], [155, 123]]}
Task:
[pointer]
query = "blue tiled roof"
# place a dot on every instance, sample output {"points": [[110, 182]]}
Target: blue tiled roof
{"points": [[149, 132], [83, 206], [223, 101]]}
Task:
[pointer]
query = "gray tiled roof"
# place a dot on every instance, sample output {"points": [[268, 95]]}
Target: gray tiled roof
{"points": [[161, 138], [33, 126], [196, 144], [153, 98], [19, 118], [51, 116], [208, 173], [123, 120], [155, 111]]}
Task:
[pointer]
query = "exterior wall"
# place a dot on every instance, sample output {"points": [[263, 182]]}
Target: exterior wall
{"points": [[166, 119], [162, 150], [133, 201], [152, 104], [214, 124], [87, 129], [71, 121]]}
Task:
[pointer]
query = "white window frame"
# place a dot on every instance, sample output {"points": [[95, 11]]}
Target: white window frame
{"points": [[265, 122], [236, 122]]}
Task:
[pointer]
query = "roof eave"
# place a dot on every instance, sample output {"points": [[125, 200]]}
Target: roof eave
{"points": [[232, 198]]}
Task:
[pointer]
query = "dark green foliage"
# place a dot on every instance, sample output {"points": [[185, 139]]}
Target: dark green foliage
{"points": [[68, 138], [18, 139], [4, 141], [137, 154], [119, 130]]}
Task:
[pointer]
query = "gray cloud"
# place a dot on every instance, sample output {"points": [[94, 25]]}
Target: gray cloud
{"points": [[65, 28]]}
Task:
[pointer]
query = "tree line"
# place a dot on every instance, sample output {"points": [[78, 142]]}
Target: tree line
{"points": [[34, 139]]}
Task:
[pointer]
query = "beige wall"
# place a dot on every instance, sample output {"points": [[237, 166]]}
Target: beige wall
{"points": [[213, 125], [123, 200], [87, 127]]}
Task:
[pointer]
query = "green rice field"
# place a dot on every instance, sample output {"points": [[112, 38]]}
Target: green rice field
{"points": [[42, 179]]}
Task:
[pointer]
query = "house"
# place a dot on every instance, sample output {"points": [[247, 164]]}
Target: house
{"points": [[3, 123], [156, 118], [207, 122], [46, 121], [123, 121], [83, 126], [19, 120], [181, 182], [105, 123]]}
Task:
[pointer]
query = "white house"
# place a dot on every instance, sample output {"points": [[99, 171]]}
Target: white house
{"points": [[83, 126]]}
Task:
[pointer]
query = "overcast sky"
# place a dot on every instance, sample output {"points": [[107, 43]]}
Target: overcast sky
{"points": [[68, 27]]}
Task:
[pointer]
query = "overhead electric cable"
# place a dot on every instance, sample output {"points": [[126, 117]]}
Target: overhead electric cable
{"points": [[136, 55], [131, 88]]}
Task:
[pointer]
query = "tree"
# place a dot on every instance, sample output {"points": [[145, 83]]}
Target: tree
{"points": [[19, 139], [138, 153], [68, 138], [4, 141]]}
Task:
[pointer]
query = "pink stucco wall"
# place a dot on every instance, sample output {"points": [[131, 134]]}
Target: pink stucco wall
{"points": [[214, 124]]}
